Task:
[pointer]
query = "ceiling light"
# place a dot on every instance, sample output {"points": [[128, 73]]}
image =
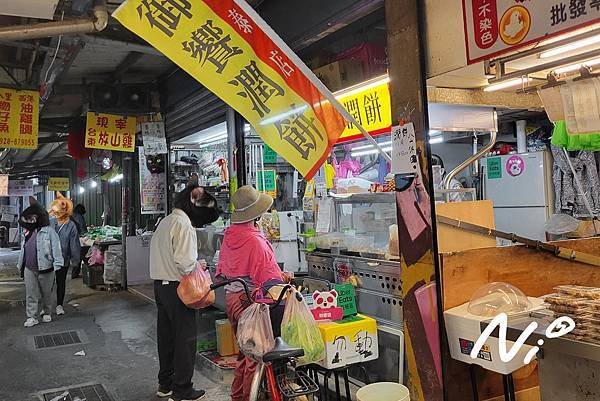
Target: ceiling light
{"points": [[437, 139], [362, 87], [571, 46], [215, 141], [386, 143], [213, 136], [370, 152], [93, 184], [506, 84], [81, 189], [576, 67]]}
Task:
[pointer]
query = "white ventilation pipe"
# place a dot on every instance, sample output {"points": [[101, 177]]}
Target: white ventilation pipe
{"points": [[521, 136]]}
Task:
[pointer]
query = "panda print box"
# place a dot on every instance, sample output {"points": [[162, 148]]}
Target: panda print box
{"points": [[325, 306]]}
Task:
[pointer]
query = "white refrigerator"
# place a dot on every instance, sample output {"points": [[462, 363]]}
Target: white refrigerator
{"points": [[522, 191]]}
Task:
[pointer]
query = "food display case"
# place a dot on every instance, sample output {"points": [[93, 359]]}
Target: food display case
{"points": [[356, 249]]}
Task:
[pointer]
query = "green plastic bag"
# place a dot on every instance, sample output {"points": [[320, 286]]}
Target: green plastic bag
{"points": [[299, 329]]}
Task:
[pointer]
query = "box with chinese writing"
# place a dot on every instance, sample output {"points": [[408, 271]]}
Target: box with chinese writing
{"points": [[348, 341]]}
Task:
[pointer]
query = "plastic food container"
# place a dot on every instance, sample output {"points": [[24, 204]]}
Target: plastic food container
{"points": [[579, 291]]}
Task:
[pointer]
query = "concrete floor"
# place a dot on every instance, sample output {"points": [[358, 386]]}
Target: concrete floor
{"points": [[120, 350]]}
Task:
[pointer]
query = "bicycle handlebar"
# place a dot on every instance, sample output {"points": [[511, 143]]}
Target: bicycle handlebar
{"points": [[247, 291]]}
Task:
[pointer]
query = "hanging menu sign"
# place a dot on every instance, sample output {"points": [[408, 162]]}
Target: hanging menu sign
{"points": [[20, 188], [494, 27], [153, 194], [404, 149], [19, 117], [59, 184], [153, 134]]}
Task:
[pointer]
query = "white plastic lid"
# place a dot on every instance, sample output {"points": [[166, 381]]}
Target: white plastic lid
{"points": [[495, 298]]}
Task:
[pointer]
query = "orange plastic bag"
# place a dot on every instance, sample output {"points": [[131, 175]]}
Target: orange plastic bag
{"points": [[194, 289]]}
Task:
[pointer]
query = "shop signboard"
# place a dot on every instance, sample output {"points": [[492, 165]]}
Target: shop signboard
{"points": [[3, 184], [59, 184], [371, 107], [110, 132], [19, 118], [232, 52], [346, 299], [495, 27], [494, 168], [153, 179], [404, 150], [153, 135], [269, 155], [270, 177], [20, 188]]}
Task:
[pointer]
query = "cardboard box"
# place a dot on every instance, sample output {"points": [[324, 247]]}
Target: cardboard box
{"points": [[349, 341], [226, 341], [341, 74]]}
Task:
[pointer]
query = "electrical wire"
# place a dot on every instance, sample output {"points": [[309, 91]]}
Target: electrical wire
{"points": [[62, 18]]}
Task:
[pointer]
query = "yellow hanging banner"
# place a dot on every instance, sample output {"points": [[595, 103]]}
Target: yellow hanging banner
{"points": [[59, 184], [19, 118], [371, 107], [110, 132], [230, 50]]}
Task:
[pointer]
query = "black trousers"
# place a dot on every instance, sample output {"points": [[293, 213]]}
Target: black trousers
{"points": [[176, 335], [61, 284]]}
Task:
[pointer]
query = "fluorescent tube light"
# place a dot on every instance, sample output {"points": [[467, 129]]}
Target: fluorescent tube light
{"points": [[437, 139], [214, 141], [386, 143], [576, 67], [571, 46], [213, 136], [506, 84], [369, 152], [353, 90]]}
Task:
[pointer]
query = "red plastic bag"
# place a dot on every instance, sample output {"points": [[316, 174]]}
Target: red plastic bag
{"points": [[194, 289]]}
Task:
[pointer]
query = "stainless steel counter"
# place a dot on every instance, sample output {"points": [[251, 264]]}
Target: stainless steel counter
{"points": [[568, 369], [379, 292]]}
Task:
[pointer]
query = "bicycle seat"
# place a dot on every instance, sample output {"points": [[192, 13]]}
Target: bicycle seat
{"points": [[282, 350]]}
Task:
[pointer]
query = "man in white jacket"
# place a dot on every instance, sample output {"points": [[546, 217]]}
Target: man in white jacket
{"points": [[173, 254]]}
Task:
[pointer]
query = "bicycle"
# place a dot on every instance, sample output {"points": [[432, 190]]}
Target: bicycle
{"points": [[288, 383]]}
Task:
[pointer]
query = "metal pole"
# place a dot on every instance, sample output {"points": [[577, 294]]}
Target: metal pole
{"points": [[240, 150]]}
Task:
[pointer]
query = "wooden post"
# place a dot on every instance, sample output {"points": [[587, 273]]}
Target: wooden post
{"points": [[414, 194]]}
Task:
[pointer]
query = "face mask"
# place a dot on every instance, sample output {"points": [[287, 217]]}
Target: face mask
{"points": [[34, 217], [200, 206]]}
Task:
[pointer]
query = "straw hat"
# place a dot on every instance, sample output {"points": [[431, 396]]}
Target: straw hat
{"points": [[249, 204]]}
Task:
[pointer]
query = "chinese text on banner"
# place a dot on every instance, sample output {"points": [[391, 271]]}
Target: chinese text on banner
{"points": [[59, 184], [226, 46], [19, 115], [111, 132]]}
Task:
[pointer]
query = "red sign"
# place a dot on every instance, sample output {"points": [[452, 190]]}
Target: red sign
{"points": [[485, 20], [496, 27]]}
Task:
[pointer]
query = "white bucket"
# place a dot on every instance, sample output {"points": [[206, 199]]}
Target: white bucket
{"points": [[383, 392]]}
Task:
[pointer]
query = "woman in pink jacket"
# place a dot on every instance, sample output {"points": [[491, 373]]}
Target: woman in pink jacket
{"points": [[247, 254]]}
